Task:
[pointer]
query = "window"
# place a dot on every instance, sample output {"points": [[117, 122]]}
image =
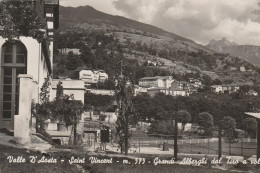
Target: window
{"points": [[13, 63]]}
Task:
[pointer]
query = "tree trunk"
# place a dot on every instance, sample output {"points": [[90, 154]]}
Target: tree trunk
{"points": [[75, 134], [126, 135]]}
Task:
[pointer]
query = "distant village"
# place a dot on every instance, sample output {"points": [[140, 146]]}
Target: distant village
{"points": [[156, 84]]}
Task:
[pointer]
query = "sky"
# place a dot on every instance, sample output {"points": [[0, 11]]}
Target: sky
{"points": [[199, 20]]}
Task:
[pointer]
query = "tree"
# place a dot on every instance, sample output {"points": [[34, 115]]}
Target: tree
{"points": [[18, 18], [250, 125], [184, 117], [99, 102], [67, 110], [43, 108], [228, 125], [124, 94], [205, 121]]}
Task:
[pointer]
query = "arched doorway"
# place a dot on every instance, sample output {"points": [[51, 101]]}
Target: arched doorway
{"points": [[13, 63]]}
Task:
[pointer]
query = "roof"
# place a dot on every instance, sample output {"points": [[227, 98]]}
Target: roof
{"points": [[155, 77], [215, 86], [252, 91], [256, 115], [179, 90], [157, 88]]}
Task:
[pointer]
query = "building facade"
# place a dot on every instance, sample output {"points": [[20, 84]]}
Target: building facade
{"points": [[180, 88], [157, 81], [25, 63], [95, 76]]}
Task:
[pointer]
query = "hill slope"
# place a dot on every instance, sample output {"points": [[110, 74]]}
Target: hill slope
{"points": [[89, 18], [142, 42]]}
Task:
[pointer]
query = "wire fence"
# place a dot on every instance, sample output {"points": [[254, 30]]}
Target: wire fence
{"points": [[245, 147]]}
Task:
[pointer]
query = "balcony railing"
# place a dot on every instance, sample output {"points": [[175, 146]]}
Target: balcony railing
{"points": [[55, 2]]}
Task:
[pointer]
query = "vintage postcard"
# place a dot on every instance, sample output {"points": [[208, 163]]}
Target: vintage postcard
{"points": [[129, 86]]}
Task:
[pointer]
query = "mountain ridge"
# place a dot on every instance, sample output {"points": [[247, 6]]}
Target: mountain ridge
{"points": [[91, 13], [142, 42], [249, 53]]}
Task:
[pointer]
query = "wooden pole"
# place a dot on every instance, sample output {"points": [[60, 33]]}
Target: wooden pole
{"points": [[258, 138], [175, 138], [219, 143]]}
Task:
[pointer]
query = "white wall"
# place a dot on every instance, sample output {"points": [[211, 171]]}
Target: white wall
{"points": [[36, 65], [75, 87]]}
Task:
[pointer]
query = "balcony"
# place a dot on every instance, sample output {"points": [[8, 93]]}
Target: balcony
{"points": [[52, 7], [53, 2]]}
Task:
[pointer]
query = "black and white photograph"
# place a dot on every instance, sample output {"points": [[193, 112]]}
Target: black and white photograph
{"points": [[129, 86]]}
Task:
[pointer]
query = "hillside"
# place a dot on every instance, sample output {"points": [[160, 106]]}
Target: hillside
{"points": [[88, 18], [141, 42], [248, 53]]}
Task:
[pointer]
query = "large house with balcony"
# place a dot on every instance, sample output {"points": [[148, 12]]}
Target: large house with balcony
{"points": [[93, 76], [24, 64], [157, 81], [180, 88]]}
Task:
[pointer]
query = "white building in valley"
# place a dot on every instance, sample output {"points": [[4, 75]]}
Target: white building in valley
{"points": [[157, 81], [90, 76]]}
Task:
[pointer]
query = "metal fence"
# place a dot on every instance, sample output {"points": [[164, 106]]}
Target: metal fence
{"points": [[195, 145]]}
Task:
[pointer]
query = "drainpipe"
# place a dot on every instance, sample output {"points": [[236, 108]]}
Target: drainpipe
{"points": [[39, 60]]}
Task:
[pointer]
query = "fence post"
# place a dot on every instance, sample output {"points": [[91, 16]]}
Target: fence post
{"points": [[242, 152], [94, 143], [219, 143], [190, 146], [229, 147], [208, 145], [175, 139], [139, 142]]}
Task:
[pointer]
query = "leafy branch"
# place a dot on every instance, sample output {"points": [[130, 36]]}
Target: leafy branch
{"points": [[19, 18]]}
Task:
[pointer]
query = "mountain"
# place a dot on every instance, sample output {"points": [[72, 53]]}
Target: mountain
{"points": [[141, 43], [86, 17], [248, 53]]}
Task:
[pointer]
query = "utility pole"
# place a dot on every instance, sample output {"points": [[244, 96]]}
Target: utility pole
{"points": [[258, 139], [219, 142], [175, 137]]}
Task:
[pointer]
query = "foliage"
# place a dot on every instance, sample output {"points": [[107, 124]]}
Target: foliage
{"points": [[184, 117], [250, 125], [19, 18], [42, 111], [65, 108], [205, 121], [124, 94], [98, 102], [229, 125], [107, 84], [162, 127]]}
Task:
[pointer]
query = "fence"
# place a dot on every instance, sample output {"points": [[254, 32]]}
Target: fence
{"points": [[196, 145]]}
